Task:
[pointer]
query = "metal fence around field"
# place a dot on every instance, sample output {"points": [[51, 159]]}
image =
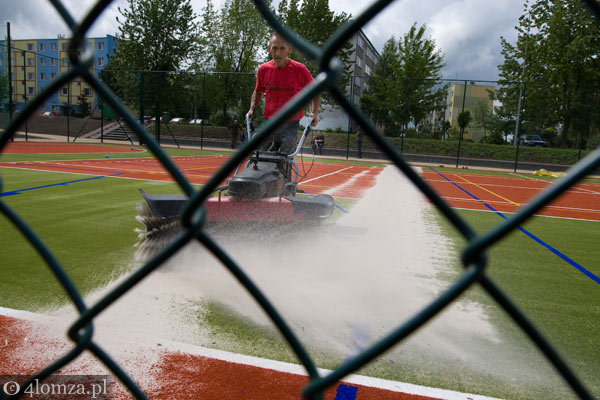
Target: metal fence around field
{"points": [[473, 256], [179, 106]]}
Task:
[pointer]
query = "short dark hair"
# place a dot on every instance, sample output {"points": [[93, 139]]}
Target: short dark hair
{"points": [[278, 35]]}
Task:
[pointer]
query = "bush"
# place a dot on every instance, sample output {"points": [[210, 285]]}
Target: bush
{"points": [[494, 138]]}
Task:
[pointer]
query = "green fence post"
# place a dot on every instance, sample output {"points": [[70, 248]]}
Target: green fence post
{"points": [[142, 111], [101, 122], [10, 87], [157, 111], [68, 110], [203, 110], [460, 136]]}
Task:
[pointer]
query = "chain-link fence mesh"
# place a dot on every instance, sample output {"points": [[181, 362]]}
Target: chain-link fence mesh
{"points": [[139, 97], [202, 109]]}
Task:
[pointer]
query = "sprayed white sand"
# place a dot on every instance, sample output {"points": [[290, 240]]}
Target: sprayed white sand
{"points": [[340, 287]]}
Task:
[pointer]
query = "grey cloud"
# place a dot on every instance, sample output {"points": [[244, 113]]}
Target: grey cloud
{"points": [[467, 32]]}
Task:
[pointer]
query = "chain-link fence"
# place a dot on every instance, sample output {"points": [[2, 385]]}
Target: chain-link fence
{"points": [[195, 109], [140, 94]]}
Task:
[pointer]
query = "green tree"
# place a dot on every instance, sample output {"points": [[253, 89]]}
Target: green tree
{"points": [[379, 99], [445, 128], [407, 81], [3, 87], [483, 117], [555, 63], [232, 42], [84, 107], [154, 35], [420, 69], [464, 119], [314, 21]]}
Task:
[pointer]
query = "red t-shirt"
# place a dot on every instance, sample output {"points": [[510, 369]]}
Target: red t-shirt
{"points": [[281, 84]]}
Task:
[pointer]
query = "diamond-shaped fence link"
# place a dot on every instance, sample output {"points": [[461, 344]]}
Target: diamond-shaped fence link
{"points": [[473, 255]]}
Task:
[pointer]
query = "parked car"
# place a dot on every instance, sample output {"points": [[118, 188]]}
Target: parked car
{"points": [[532, 140], [176, 120], [51, 114], [198, 122]]}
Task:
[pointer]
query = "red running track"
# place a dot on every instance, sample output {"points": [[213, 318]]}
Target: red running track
{"points": [[337, 180], [508, 194]]}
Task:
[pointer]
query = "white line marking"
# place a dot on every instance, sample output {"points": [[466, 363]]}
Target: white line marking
{"points": [[323, 176], [280, 366]]}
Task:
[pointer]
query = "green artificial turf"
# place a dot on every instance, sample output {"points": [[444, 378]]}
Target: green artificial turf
{"points": [[89, 227], [560, 300]]}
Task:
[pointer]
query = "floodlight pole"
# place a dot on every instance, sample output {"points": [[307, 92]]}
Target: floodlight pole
{"points": [[142, 111], [10, 87], [460, 135], [517, 123]]}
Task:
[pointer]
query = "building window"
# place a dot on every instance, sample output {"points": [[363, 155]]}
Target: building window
{"points": [[31, 62], [64, 62], [87, 92], [63, 46], [42, 47], [52, 75], [359, 42], [359, 61], [29, 46], [100, 61], [53, 62], [64, 91], [358, 81], [52, 46], [367, 70], [30, 90], [100, 45], [42, 61], [30, 76], [42, 76]]}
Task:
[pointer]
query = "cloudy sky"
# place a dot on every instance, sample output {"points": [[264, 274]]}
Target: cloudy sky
{"points": [[467, 32]]}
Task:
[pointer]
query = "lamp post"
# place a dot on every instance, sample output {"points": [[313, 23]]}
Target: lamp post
{"points": [[10, 87]]}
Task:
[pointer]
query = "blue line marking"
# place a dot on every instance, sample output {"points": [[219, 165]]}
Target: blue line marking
{"points": [[335, 205], [563, 257], [345, 392], [15, 192]]}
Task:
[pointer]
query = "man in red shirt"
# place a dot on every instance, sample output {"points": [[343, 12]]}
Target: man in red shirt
{"points": [[279, 80]]}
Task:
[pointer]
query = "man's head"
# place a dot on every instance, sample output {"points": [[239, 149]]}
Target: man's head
{"points": [[279, 50]]}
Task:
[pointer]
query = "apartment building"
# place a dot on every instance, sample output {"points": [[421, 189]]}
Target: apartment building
{"points": [[37, 62], [473, 95], [364, 58], [452, 106]]}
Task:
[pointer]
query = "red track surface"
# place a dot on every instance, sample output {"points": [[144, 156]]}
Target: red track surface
{"points": [[63, 148], [335, 179], [509, 194], [26, 347]]}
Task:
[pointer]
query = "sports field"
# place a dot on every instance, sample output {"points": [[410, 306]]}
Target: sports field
{"points": [[81, 200]]}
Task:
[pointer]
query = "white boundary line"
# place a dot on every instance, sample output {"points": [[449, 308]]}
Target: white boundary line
{"points": [[323, 176], [281, 366]]}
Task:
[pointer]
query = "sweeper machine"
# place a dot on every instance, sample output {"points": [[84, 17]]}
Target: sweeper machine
{"points": [[262, 194]]}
